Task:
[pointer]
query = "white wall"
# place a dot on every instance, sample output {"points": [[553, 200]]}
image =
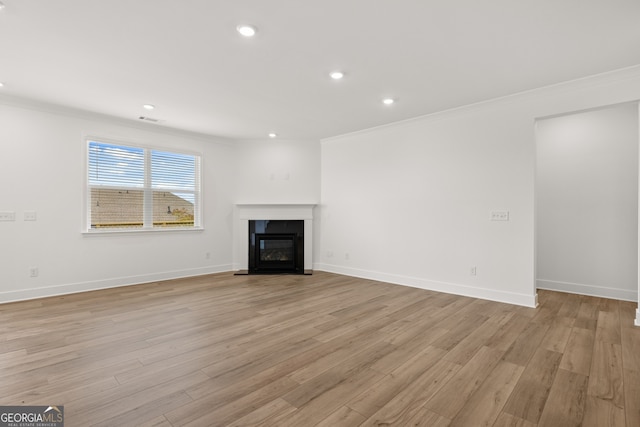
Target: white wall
{"points": [[277, 171], [587, 202], [42, 170], [410, 202]]}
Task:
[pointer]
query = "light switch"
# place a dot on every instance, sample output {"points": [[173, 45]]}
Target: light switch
{"points": [[7, 216], [500, 216]]}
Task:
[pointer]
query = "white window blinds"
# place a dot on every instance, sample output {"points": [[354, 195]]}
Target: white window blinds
{"points": [[141, 188]]}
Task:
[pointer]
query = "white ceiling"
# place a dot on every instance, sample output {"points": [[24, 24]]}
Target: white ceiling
{"points": [[186, 57]]}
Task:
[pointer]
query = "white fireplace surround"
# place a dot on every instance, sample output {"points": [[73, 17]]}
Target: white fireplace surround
{"points": [[252, 211]]}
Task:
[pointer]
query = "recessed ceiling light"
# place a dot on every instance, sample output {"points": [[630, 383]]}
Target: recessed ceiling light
{"points": [[388, 101], [273, 135], [247, 30], [1, 5], [1, 84], [148, 106], [337, 75]]}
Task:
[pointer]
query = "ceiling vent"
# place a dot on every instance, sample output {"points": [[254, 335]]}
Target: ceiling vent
{"points": [[149, 119]]}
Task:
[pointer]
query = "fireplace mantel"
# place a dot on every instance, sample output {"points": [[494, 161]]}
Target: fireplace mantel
{"points": [[277, 211]]}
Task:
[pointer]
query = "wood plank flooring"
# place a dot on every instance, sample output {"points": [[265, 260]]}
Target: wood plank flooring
{"points": [[321, 350]]}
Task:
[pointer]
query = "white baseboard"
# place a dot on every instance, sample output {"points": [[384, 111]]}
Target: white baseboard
{"points": [[432, 285], [594, 291], [72, 288], [637, 322]]}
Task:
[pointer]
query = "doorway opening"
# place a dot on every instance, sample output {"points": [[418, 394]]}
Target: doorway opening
{"points": [[586, 230]]}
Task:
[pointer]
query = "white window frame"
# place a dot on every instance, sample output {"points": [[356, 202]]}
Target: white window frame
{"points": [[147, 189]]}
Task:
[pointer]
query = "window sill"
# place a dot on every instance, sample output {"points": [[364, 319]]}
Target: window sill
{"points": [[103, 232]]}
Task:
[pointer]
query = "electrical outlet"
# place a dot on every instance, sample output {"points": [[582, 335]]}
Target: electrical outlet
{"points": [[30, 216], [500, 216], [33, 272], [472, 271]]}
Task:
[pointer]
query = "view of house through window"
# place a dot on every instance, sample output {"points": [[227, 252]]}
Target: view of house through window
{"points": [[141, 188]]}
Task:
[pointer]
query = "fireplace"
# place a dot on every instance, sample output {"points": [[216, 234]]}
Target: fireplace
{"points": [[278, 218], [276, 246], [275, 252]]}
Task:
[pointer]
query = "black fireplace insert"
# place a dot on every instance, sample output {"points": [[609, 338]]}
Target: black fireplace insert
{"points": [[276, 246]]}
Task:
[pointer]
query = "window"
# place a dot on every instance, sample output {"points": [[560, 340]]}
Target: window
{"points": [[130, 188]]}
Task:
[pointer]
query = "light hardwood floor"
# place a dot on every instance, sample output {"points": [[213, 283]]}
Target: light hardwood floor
{"points": [[323, 350]]}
